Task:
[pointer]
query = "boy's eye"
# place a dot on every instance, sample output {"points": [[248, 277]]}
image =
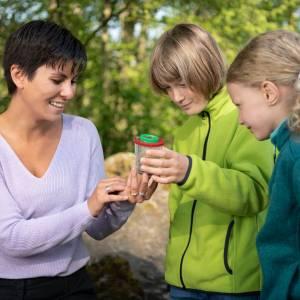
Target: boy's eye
{"points": [[166, 88], [181, 83]]}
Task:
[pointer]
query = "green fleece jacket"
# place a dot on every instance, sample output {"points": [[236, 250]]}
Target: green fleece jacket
{"points": [[217, 211]]}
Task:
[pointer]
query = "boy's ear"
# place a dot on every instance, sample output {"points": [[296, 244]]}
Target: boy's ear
{"points": [[270, 92], [18, 76]]}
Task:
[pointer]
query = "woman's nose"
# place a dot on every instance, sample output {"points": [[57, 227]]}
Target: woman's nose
{"points": [[68, 90]]}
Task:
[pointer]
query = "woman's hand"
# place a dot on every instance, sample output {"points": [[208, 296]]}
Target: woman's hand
{"points": [[108, 190], [166, 166], [140, 187]]}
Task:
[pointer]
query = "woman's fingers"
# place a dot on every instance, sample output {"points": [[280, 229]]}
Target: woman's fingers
{"points": [[143, 186], [111, 192], [134, 185], [107, 190], [138, 188], [151, 187]]}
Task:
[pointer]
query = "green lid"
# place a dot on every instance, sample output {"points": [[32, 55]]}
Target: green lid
{"points": [[149, 138]]}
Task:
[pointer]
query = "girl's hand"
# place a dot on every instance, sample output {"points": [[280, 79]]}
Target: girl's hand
{"points": [[166, 166], [108, 190], [140, 187]]}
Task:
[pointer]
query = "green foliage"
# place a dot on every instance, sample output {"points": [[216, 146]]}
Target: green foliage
{"points": [[119, 35]]}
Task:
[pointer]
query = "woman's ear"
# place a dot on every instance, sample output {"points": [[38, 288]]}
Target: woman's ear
{"points": [[271, 92], [18, 76]]}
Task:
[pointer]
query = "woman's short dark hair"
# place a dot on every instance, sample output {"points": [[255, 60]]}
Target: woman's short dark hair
{"points": [[39, 43]]}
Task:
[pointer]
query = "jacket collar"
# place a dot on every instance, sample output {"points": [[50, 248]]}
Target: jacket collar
{"points": [[219, 105], [280, 135]]}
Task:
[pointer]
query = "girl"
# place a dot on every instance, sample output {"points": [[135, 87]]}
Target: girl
{"points": [[218, 171], [264, 82], [52, 185]]}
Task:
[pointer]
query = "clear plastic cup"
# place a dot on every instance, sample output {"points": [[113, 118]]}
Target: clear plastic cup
{"points": [[142, 143]]}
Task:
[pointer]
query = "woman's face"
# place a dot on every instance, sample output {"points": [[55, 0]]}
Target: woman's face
{"points": [[189, 101], [49, 91]]}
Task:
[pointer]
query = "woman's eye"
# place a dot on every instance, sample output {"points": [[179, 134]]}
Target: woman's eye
{"points": [[56, 81]]}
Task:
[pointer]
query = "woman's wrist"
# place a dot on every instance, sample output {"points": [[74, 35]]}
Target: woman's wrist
{"points": [[94, 206]]}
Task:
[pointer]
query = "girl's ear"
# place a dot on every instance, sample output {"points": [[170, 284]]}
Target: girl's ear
{"points": [[270, 92], [18, 76]]}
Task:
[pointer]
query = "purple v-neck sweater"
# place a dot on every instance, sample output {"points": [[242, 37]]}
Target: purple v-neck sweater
{"points": [[42, 219]]}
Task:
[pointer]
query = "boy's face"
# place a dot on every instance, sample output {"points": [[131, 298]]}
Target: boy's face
{"points": [[255, 112], [189, 101]]}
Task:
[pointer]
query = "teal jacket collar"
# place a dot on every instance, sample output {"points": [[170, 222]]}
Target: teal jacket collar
{"points": [[280, 135]]}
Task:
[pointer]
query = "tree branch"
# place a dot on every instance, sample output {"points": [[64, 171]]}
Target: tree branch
{"points": [[104, 23]]}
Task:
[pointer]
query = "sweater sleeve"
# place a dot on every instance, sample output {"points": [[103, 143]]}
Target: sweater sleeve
{"points": [[113, 215], [239, 189], [22, 237]]}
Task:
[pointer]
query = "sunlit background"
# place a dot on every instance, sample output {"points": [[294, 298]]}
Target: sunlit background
{"points": [[114, 91]]}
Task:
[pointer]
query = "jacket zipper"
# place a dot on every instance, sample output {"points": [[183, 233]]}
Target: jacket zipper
{"points": [[226, 247], [203, 114]]}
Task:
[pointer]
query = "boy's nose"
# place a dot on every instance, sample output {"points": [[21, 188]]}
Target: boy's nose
{"points": [[177, 95], [241, 120]]}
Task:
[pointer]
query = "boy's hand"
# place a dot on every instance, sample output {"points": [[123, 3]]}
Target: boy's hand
{"points": [[166, 166]]}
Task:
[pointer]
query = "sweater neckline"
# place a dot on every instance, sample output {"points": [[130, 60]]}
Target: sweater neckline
{"points": [[14, 155]]}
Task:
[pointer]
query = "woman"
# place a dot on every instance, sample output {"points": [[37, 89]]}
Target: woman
{"points": [[52, 185]]}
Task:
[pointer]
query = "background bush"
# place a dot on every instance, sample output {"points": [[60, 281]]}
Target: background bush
{"points": [[119, 34]]}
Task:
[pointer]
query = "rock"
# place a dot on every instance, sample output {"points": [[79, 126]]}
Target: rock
{"points": [[142, 240], [119, 164], [114, 279]]}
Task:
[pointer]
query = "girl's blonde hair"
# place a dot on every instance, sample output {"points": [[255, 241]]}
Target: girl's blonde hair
{"points": [[272, 56], [188, 54]]}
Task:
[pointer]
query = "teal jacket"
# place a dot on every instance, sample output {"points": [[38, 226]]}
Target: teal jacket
{"points": [[279, 240], [215, 213]]}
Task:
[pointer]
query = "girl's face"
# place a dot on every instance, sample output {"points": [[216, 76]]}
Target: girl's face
{"points": [[255, 112], [48, 92], [189, 101]]}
